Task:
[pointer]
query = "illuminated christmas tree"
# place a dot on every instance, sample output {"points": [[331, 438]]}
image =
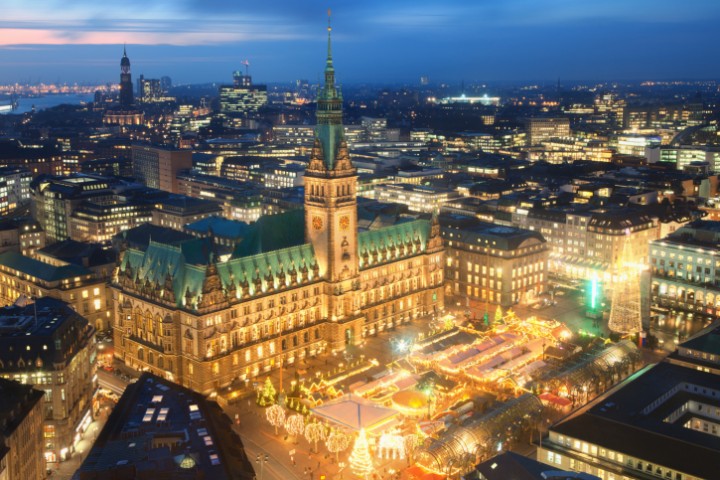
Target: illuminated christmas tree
{"points": [[625, 311], [360, 459], [267, 395], [498, 315]]}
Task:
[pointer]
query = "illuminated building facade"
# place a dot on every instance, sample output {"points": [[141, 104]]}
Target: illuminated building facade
{"points": [[177, 211], [418, 198], [14, 188], [242, 98], [21, 432], [684, 155], [55, 198], [158, 166], [22, 235], [100, 219], [587, 242], [493, 264], [685, 269], [300, 283], [77, 285], [660, 422], [540, 129], [51, 347]]}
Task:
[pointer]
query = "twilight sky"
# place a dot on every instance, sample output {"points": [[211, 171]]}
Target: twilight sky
{"points": [[196, 41]]}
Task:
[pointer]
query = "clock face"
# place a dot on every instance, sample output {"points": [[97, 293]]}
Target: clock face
{"points": [[344, 223], [317, 223]]}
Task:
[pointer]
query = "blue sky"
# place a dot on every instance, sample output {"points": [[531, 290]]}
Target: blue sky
{"points": [[197, 41]]}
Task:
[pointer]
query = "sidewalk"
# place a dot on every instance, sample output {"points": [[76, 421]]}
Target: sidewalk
{"points": [[65, 470]]}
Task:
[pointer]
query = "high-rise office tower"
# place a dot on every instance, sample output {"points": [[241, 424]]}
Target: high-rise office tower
{"points": [[126, 87]]}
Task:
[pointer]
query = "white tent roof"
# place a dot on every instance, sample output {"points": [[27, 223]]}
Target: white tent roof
{"points": [[356, 413]]}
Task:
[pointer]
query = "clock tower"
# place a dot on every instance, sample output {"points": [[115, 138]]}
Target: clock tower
{"points": [[331, 204]]}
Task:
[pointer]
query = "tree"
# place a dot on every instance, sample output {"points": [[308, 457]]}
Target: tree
{"points": [[267, 394], [498, 315], [360, 459], [295, 425], [336, 443], [314, 432], [411, 442], [276, 416]]}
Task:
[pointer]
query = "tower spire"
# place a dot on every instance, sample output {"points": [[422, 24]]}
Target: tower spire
{"points": [[329, 48]]}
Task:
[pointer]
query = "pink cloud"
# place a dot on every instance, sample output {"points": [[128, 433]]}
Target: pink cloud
{"points": [[19, 36]]}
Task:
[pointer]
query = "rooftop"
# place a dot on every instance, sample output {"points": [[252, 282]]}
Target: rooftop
{"points": [[41, 270], [161, 428], [16, 401], [629, 419]]}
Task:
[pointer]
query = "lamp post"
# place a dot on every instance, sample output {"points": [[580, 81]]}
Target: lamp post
{"points": [[262, 460]]}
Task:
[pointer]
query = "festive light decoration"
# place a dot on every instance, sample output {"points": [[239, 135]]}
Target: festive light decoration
{"points": [[498, 315], [315, 432], [295, 425], [360, 459], [276, 416], [336, 443], [391, 446], [267, 395], [625, 311], [411, 442]]}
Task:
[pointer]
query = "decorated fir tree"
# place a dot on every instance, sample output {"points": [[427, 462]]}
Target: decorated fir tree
{"points": [[498, 315], [267, 395], [360, 459]]}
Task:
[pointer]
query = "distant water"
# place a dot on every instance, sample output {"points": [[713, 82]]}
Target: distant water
{"points": [[49, 101]]}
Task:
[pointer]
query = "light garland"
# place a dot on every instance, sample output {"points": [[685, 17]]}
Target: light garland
{"points": [[360, 459]]}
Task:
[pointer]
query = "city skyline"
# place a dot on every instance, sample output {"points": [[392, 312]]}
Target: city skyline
{"points": [[455, 41]]}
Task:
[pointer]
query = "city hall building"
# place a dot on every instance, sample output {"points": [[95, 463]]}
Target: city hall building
{"points": [[299, 283]]}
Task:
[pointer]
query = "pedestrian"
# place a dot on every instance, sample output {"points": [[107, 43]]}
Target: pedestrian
{"points": [[318, 464]]}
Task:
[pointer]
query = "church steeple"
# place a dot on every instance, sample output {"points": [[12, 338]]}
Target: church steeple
{"points": [[126, 87]]}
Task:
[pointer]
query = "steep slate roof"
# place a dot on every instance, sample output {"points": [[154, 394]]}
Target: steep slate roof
{"points": [[395, 235], [274, 262], [39, 269], [274, 247], [186, 263]]}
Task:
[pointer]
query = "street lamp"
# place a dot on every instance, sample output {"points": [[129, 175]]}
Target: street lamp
{"points": [[261, 460]]}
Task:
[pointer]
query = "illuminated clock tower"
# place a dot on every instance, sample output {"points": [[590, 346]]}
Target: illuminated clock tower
{"points": [[331, 207]]}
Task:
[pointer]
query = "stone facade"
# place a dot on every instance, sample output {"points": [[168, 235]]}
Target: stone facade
{"points": [[299, 284]]}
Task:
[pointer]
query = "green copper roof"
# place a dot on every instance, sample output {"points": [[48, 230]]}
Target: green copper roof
{"points": [[41, 270], [329, 130], [385, 239], [274, 266], [273, 232], [185, 263]]}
